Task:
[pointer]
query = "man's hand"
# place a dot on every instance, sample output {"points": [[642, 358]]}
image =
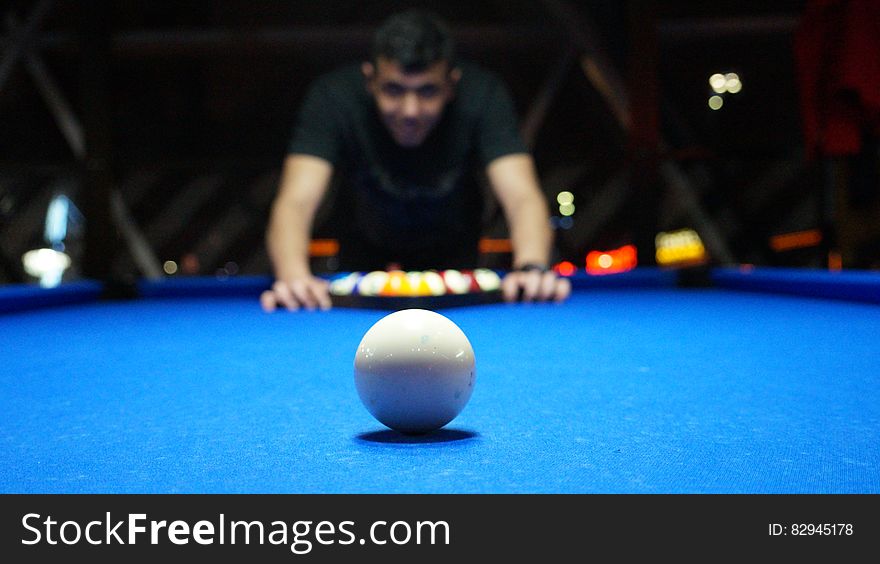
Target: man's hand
{"points": [[535, 286], [308, 293]]}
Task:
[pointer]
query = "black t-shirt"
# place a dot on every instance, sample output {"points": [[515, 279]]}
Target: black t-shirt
{"points": [[422, 206]]}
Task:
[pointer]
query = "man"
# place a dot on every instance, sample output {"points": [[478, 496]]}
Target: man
{"points": [[410, 132]]}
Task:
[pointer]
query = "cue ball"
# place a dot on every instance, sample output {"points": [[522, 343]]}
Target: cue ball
{"points": [[414, 370]]}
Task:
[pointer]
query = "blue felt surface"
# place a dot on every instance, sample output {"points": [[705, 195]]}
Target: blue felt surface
{"points": [[636, 390]]}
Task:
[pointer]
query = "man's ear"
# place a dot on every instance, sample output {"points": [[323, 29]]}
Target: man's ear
{"points": [[455, 76], [368, 70]]}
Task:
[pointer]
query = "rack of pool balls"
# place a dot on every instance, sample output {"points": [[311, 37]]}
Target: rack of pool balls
{"points": [[398, 289]]}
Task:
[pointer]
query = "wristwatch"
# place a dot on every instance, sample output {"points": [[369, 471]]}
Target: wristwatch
{"points": [[531, 266]]}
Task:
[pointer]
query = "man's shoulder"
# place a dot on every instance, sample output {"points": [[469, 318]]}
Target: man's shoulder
{"points": [[478, 88]]}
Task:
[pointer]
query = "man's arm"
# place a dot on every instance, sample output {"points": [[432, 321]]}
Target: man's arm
{"points": [[304, 181], [515, 183]]}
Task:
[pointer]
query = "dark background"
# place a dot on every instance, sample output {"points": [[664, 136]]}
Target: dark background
{"points": [[185, 110]]}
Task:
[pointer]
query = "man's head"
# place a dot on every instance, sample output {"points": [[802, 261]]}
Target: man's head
{"points": [[412, 74]]}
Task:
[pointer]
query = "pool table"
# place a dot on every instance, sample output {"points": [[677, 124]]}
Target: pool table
{"points": [[653, 381]]}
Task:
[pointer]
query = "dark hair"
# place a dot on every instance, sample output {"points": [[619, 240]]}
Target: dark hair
{"points": [[415, 39]]}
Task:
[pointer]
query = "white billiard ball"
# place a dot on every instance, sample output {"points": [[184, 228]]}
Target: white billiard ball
{"points": [[414, 370]]}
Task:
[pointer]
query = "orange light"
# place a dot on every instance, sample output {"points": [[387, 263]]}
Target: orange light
{"points": [[835, 261], [796, 240], [565, 268], [488, 245], [324, 247], [613, 261], [627, 256]]}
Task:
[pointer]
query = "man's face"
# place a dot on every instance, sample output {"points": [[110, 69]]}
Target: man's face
{"points": [[410, 104]]}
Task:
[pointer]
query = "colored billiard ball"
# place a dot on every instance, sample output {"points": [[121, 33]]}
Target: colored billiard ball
{"points": [[345, 285], [434, 281], [414, 370], [488, 280], [371, 283], [456, 281]]}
